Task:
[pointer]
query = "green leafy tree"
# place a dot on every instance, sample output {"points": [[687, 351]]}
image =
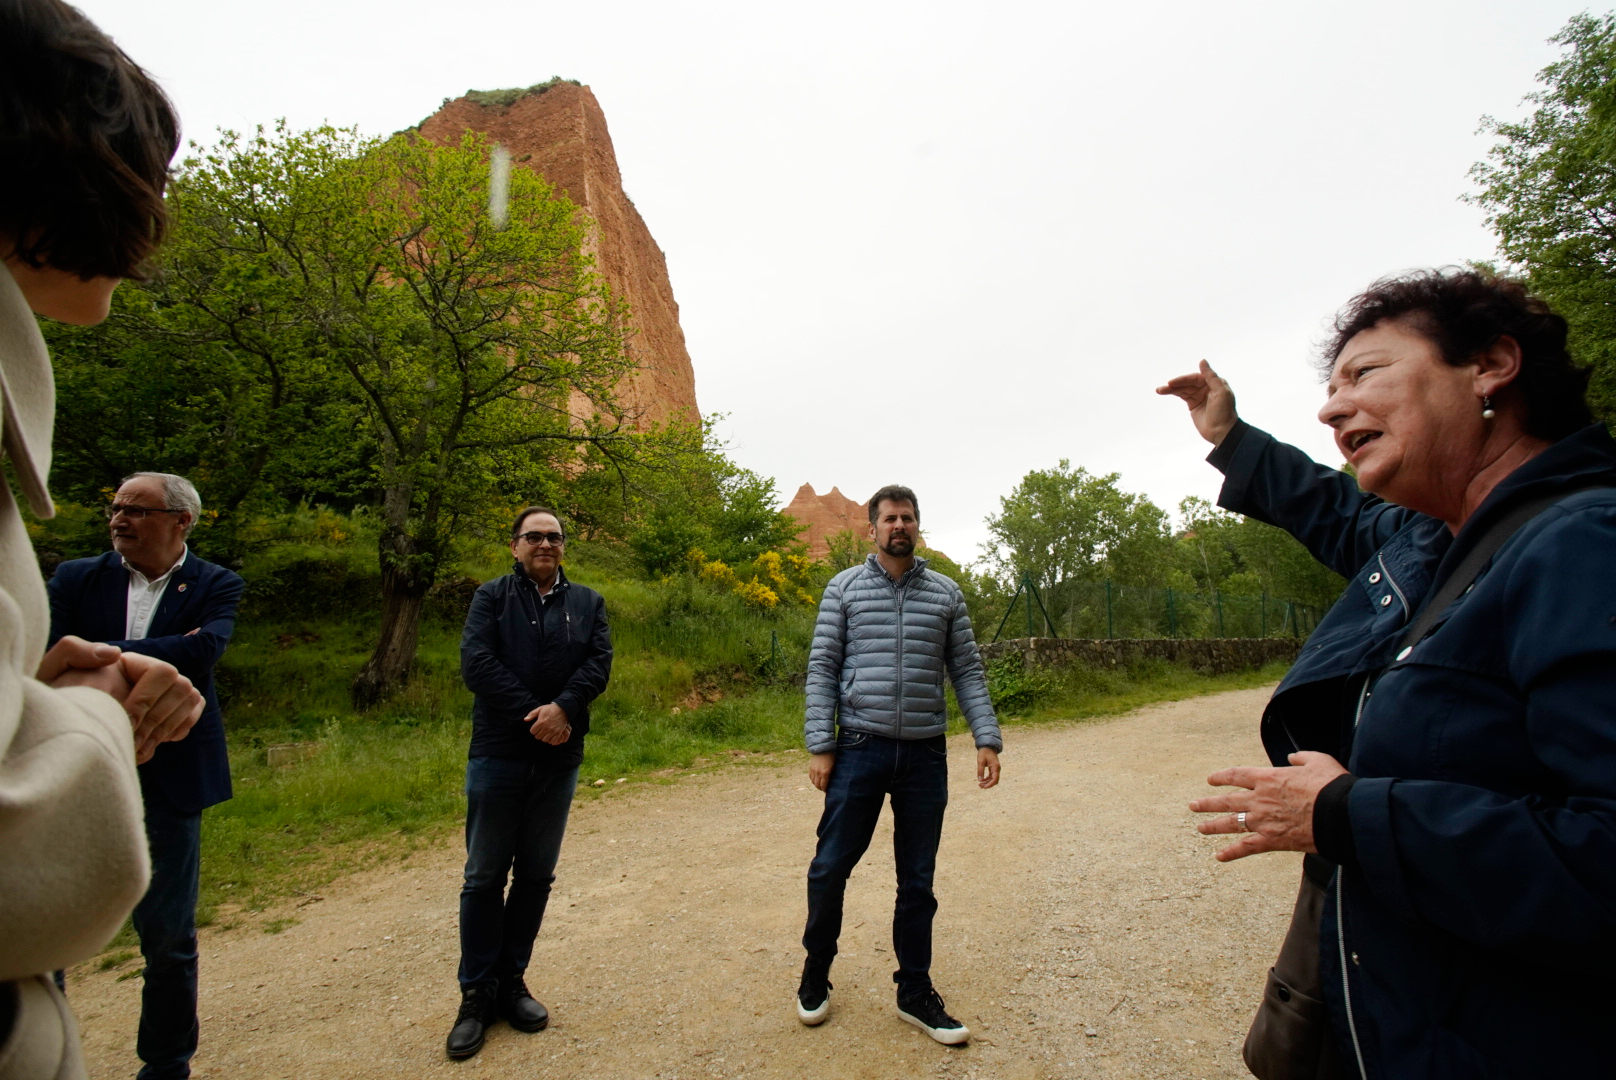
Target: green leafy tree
{"points": [[847, 547], [1067, 528], [1549, 189], [210, 368], [1241, 556], [1065, 524], [709, 503], [358, 309]]}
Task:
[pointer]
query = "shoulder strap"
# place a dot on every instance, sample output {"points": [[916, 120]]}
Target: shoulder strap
{"points": [[1470, 566]]}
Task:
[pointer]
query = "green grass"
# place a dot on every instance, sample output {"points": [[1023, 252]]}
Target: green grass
{"points": [[115, 958], [1078, 693], [699, 679]]}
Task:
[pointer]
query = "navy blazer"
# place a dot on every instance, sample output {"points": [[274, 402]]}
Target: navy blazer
{"points": [[90, 598]]}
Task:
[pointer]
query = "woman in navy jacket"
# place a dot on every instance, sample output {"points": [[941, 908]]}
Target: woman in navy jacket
{"points": [[1466, 848]]}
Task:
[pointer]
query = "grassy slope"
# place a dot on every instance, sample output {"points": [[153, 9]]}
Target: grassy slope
{"points": [[698, 679]]}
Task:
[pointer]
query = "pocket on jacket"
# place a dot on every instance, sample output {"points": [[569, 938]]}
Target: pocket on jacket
{"points": [[850, 690]]}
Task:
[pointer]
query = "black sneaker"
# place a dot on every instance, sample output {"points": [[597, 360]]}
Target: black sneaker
{"points": [[813, 994], [519, 1008], [927, 1013], [471, 1025]]}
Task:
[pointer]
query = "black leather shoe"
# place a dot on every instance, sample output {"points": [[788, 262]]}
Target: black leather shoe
{"points": [[471, 1025], [519, 1008]]}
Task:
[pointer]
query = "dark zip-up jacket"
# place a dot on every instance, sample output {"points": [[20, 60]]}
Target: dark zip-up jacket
{"points": [[519, 652], [1471, 928]]}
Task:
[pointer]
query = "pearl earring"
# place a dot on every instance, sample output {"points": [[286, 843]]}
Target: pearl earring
{"points": [[1487, 412]]}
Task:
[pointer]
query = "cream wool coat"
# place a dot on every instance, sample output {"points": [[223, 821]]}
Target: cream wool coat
{"points": [[73, 860]]}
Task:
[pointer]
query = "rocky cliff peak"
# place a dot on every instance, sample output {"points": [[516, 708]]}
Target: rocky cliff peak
{"points": [[823, 516], [558, 130]]}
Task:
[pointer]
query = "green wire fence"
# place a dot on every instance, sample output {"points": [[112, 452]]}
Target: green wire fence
{"points": [[1100, 609]]}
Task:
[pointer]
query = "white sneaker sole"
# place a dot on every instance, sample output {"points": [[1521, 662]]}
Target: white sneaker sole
{"points": [[946, 1036], [814, 1017]]}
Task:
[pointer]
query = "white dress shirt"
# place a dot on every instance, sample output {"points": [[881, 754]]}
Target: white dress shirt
{"points": [[144, 596]]}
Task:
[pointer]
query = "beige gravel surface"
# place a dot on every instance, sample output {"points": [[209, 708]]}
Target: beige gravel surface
{"points": [[1084, 931]]}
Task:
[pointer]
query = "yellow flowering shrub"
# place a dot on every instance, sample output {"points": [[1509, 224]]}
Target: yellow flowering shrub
{"points": [[719, 573], [756, 594], [775, 579]]}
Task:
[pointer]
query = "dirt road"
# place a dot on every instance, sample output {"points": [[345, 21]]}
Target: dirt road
{"points": [[1084, 931]]}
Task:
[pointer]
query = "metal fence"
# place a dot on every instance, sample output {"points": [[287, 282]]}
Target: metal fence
{"points": [[1099, 609]]}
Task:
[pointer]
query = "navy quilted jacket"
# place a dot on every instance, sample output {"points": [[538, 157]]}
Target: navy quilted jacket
{"points": [[881, 649]]}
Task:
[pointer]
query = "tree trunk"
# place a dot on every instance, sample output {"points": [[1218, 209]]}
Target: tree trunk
{"points": [[407, 574]]}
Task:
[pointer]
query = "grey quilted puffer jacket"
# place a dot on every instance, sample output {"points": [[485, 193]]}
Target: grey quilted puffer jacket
{"points": [[880, 651]]}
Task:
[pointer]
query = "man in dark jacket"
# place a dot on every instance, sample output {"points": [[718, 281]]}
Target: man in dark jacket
{"points": [[152, 595], [889, 630], [535, 652]]}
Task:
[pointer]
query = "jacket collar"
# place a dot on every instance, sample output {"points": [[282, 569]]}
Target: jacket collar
{"points": [[875, 567], [27, 396], [561, 585]]}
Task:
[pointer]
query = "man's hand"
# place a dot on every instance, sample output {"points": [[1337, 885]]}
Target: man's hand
{"points": [[819, 767], [987, 767], [1278, 805], [549, 724], [1210, 400], [162, 705]]}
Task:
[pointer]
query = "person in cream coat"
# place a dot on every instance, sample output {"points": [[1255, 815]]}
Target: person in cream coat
{"points": [[86, 138]]}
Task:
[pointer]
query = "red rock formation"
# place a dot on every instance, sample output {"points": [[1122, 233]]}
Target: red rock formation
{"points": [[822, 516], [560, 132]]}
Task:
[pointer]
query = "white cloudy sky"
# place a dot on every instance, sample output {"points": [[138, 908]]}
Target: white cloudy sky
{"points": [[943, 244]]}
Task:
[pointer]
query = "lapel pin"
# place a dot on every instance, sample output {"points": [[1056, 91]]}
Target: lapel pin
{"points": [[182, 586]]}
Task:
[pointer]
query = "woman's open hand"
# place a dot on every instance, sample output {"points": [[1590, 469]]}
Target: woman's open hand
{"points": [[1210, 400], [1277, 804]]}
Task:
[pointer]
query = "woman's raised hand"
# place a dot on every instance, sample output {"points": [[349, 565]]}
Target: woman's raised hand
{"points": [[1210, 400]]}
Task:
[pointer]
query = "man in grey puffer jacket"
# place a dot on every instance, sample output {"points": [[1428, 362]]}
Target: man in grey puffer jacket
{"points": [[889, 630]]}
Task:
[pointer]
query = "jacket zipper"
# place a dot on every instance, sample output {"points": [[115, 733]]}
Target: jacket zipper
{"points": [[1346, 984], [1363, 697], [898, 589]]}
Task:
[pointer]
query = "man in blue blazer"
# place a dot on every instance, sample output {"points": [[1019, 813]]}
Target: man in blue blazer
{"points": [[151, 595]]}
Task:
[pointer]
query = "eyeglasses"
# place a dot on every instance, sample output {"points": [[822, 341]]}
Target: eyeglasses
{"points": [[536, 538], [135, 513]]}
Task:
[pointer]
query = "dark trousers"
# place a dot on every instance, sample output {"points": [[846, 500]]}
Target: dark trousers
{"points": [[869, 768], [165, 920], [516, 814]]}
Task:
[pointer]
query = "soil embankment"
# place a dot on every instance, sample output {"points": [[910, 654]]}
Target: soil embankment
{"points": [[1084, 931]]}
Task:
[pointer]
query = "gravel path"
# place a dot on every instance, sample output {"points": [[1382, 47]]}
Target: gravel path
{"points": [[1084, 931]]}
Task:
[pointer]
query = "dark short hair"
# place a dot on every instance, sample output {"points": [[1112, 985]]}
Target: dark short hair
{"points": [[516, 526], [1464, 313], [893, 493], [85, 141]]}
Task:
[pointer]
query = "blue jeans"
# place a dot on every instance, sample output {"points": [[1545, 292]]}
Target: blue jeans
{"points": [[914, 772], [165, 920], [516, 814]]}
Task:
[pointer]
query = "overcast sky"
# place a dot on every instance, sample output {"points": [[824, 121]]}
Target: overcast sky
{"points": [[943, 244]]}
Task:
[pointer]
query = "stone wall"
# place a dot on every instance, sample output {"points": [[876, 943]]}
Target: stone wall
{"points": [[1213, 656]]}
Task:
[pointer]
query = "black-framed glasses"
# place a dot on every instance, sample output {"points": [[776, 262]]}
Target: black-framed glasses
{"points": [[135, 513], [554, 539]]}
